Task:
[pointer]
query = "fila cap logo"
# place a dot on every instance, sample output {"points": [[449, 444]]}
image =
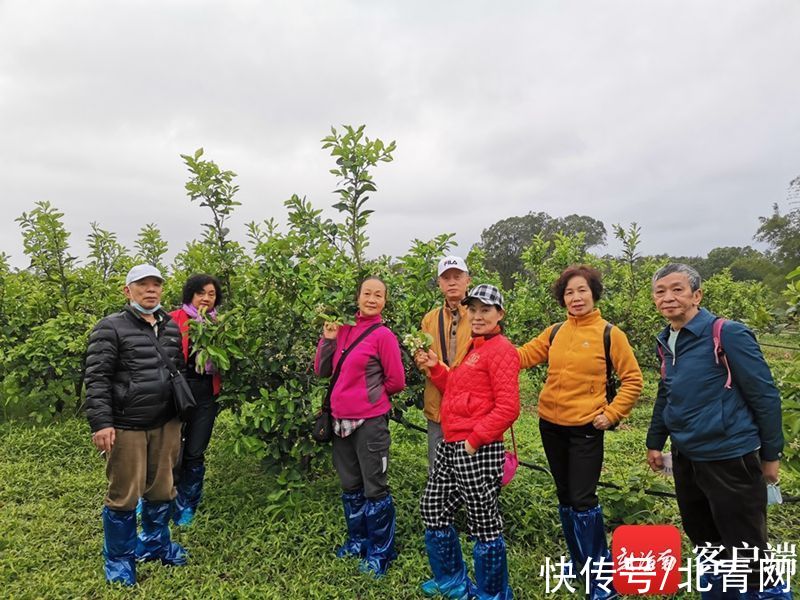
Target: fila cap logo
{"points": [[452, 262]]}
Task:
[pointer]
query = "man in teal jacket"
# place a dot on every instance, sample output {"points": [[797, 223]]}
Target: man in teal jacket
{"points": [[722, 413]]}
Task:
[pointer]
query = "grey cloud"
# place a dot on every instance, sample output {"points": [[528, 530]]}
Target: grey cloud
{"points": [[680, 116]]}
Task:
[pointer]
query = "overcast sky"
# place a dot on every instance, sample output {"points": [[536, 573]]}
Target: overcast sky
{"points": [[680, 115]]}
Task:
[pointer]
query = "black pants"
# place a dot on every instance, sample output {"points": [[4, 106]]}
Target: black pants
{"points": [[197, 430], [723, 502], [575, 456], [362, 458]]}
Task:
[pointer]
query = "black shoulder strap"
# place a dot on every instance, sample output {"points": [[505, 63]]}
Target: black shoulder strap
{"points": [[612, 381], [167, 360], [326, 405], [442, 337], [554, 331]]}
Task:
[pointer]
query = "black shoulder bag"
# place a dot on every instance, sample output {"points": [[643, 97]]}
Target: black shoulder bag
{"points": [[322, 430], [181, 392]]}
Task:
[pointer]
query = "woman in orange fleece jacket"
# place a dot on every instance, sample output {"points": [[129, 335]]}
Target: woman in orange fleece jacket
{"points": [[574, 411]]}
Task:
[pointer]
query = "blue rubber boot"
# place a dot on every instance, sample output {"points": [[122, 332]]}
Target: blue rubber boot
{"points": [[119, 545], [491, 571], [568, 527], [447, 564], [380, 536], [590, 535], [154, 542], [778, 592], [190, 490], [355, 505]]}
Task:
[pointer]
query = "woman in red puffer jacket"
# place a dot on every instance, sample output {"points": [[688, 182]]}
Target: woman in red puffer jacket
{"points": [[480, 402]]}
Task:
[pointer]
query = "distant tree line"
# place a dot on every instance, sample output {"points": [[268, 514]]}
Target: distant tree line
{"points": [[504, 242]]}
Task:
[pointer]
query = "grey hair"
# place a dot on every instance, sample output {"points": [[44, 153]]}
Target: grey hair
{"points": [[695, 281]]}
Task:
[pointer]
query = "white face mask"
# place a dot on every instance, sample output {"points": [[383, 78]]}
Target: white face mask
{"points": [[145, 311]]}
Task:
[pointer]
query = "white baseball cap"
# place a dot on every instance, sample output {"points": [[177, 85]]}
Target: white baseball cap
{"points": [[140, 272], [452, 262]]}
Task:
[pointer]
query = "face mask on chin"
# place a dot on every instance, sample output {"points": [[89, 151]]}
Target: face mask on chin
{"points": [[145, 311]]}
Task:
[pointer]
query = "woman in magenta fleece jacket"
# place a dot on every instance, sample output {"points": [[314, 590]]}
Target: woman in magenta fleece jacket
{"points": [[360, 405]]}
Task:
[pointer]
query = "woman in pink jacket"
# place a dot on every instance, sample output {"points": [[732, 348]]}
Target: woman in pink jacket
{"points": [[371, 372]]}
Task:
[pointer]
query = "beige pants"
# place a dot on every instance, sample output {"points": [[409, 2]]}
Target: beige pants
{"points": [[140, 465]]}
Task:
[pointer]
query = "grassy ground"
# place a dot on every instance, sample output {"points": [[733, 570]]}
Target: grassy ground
{"points": [[246, 543]]}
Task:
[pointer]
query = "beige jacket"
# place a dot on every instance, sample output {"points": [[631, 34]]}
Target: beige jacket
{"points": [[430, 324]]}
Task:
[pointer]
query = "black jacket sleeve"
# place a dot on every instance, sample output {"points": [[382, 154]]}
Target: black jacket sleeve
{"points": [[101, 360]]}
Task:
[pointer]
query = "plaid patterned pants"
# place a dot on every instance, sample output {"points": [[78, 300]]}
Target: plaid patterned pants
{"points": [[458, 478]]}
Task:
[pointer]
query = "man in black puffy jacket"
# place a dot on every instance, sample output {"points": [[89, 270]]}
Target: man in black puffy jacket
{"points": [[133, 420]]}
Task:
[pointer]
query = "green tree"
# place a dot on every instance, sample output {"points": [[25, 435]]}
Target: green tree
{"points": [[630, 239], [782, 233], [46, 242], [151, 247], [504, 242], [107, 255], [214, 188], [743, 301], [355, 155], [44, 370], [745, 263], [48, 317], [268, 333], [593, 230], [627, 293]]}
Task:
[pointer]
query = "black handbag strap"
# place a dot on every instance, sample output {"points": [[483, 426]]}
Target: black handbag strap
{"points": [[326, 405], [167, 361], [442, 338], [609, 364]]}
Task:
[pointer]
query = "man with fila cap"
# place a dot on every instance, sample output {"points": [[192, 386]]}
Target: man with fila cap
{"points": [[450, 330], [132, 415]]}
